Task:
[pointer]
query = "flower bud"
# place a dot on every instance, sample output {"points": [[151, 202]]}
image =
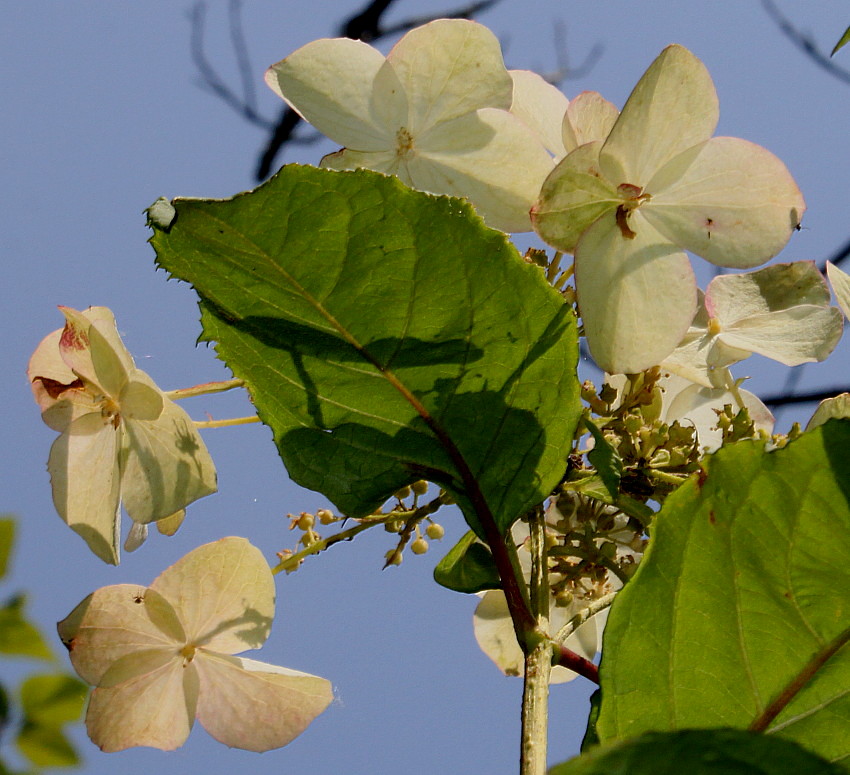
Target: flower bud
{"points": [[305, 521], [325, 516], [419, 546], [393, 557], [420, 487], [435, 531]]}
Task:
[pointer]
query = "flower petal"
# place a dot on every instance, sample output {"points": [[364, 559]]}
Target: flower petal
{"points": [[542, 107], [330, 83], [48, 374], [448, 68], [140, 398], [84, 475], [840, 282], [490, 157], [572, 198], [156, 709], [116, 622], [636, 296], [829, 408], [381, 161], [589, 117], [672, 107], [729, 201], [223, 593], [167, 465], [255, 706]]}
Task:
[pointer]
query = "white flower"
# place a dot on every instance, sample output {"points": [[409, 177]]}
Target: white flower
{"points": [[434, 112], [121, 439], [161, 656], [781, 312], [659, 184]]}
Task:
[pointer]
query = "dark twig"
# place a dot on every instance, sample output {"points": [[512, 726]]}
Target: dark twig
{"points": [[805, 43], [840, 255], [804, 398], [565, 69]]}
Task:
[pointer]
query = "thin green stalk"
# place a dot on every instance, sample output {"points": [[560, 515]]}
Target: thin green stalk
{"points": [[226, 423], [204, 389]]}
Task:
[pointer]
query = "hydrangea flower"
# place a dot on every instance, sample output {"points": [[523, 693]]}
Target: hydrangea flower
{"points": [[122, 440], [840, 282], [492, 624], [629, 206], [434, 112], [781, 312], [160, 656]]}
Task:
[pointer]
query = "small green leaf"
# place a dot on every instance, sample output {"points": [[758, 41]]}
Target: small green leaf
{"points": [[468, 567], [606, 460], [7, 539], [17, 635], [845, 38], [386, 336], [699, 752], [739, 614], [48, 702], [591, 739]]}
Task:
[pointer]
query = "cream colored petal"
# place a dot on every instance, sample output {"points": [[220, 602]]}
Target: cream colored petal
{"points": [[448, 68], [255, 706], [840, 282], [48, 374], [115, 623], [140, 399], [829, 408], [542, 107], [155, 709], [84, 475], [330, 83], [490, 157], [792, 336], [166, 465], [729, 201], [495, 634], [379, 161], [573, 196], [223, 593], [732, 297], [590, 117], [636, 296], [672, 107]]}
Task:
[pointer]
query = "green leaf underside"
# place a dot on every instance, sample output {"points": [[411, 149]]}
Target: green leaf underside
{"points": [[739, 614], [386, 336], [698, 752], [468, 567]]}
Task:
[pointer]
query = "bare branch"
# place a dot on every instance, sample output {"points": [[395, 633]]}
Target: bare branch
{"points": [[805, 42], [565, 70], [773, 402]]}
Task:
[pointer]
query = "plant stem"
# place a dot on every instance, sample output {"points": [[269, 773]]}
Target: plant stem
{"points": [[538, 659], [226, 423], [204, 389]]}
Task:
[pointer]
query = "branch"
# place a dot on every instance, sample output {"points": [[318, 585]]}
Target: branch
{"points": [[773, 402], [805, 43]]}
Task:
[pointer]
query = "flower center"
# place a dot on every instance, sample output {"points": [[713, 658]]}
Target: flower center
{"points": [[404, 144], [633, 197], [188, 653], [109, 411], [713, 326]]}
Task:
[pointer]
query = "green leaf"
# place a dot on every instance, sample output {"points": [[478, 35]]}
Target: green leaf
{"points": [[386, 336], [17, 635], [48, 702], [591, 739], [699, 752], [845, 38], [739, 614], [468, 567], [7, 539], [605, 459]]}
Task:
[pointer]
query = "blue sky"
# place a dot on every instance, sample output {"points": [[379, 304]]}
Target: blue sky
{"points": [[102, 114]]}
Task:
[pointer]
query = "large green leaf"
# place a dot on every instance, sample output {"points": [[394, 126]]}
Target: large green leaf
{"points": [[468, 567], [698, 752], [739, 614], [386, 336]]}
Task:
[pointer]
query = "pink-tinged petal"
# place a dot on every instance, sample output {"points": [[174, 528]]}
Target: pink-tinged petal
{"points": [[166, 465], [636, 295], [84, 475], [223, 593], [729, 201], [490, 157], [573, 197], [840, 282], [330, 83], [254, 706], [48, 374], [155, 709], [796, 335], [590, 117], [672, 107], [542, 107], [448, 68], [380, 161], [115, 623]]}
